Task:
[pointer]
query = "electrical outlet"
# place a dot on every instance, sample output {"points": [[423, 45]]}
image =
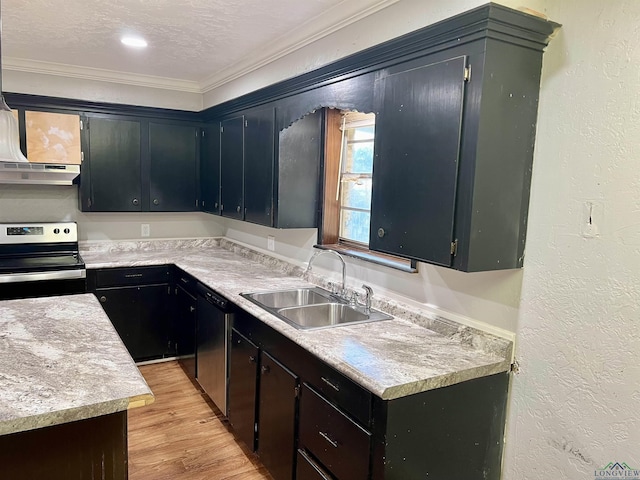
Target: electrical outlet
{"points": [[145, 230], [271, 243]]}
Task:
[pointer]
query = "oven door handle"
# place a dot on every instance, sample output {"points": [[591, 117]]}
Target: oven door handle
{"points": [[39, 276]]}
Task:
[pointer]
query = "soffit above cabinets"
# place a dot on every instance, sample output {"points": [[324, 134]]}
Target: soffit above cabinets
{"points": [[192, 46]]}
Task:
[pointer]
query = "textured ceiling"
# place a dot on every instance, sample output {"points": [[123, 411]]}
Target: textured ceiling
{"points": [[197, 41]]}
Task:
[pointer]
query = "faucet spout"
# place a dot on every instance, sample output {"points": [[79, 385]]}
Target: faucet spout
{"points": [[333, 252]]}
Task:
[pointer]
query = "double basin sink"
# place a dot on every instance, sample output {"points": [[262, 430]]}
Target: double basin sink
{"points": [[313, 308]]}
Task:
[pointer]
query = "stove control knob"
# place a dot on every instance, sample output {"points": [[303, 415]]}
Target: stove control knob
{"points": [[67, 231], [56, 231]]}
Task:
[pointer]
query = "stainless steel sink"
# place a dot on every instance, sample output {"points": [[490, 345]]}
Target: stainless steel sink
{"points": [[290, 298], [313, 308]]}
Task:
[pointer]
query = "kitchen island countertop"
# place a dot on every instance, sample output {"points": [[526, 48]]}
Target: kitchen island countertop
{"points": [[391, 358], [61, 361]]}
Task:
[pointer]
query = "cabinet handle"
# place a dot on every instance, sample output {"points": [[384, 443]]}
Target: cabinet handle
{"points": [[238, 209], [192, 309], [135, 201], [184, 280], [265, 369], [215, 205], [381, 232], [156, 201], [103, 299], [333, 443], [330, 383], [252, 359]]}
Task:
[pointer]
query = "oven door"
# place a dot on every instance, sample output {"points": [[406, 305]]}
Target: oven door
{"points": [[45, 284]]}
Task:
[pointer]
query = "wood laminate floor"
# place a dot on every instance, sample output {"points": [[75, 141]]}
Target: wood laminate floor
{"points": [[183, 436]]}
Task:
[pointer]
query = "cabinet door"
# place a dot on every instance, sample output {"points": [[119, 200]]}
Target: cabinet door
{"points": [[232, 167], [210, 169], [172, 168], [140, 316], [111, 175], [258, 166], [277, 416], [184, 330], [417, 143], [243, 377]]}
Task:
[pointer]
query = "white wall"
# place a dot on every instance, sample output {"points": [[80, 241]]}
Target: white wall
{"points": [[54, 203]]}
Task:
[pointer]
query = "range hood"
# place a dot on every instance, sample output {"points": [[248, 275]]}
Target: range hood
{"points": [[38, 173]]}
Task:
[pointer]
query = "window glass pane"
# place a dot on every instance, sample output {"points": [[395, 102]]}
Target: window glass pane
{"points": [[355, 225], [362, 133], [359, 158], [356, 192]]}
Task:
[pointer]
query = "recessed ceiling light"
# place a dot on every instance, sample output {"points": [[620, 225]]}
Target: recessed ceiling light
{"points": [[132, 41]]}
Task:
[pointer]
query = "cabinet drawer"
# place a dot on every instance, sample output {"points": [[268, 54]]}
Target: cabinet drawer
{"points": [[341, 445], [340, 390], [112, 277], [307, 469]]}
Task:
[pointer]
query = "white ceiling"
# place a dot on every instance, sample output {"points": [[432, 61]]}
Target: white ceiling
{"points": [[194, 45]]}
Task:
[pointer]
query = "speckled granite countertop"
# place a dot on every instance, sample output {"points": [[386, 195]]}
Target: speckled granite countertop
{"points": [[61, 360], [412, 353]]}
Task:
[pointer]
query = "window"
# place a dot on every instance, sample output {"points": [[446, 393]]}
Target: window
{"points": [[348, 174], [356, 168]]}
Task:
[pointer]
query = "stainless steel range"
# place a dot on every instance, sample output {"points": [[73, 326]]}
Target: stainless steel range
{"points": [[40, 259]]}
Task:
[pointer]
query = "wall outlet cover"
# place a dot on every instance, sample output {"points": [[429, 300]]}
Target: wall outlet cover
{"points": [[145, 230], [271, 243]]}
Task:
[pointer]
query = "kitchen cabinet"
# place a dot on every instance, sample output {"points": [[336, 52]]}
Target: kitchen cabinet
{"points": [[258, 166], [138, 303], [210, 169], [135, 165], [232, 168], [173, 158], [52, 137], [243, 392], [184, 321], [297, 180], [343, 431], [418, 128], [112, 174], [277, 408]]}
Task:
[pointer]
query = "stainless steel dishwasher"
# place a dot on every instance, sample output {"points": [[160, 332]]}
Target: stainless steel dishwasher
{"points": [[214, 326]]}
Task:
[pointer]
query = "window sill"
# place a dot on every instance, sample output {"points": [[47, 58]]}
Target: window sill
{"points": [[402, 264]]}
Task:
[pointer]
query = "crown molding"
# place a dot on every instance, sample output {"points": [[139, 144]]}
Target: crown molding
{"points": [[332, 20], [98, 74]]}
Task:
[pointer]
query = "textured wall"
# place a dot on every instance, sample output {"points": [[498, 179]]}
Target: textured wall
{"points": [[576, 403]]}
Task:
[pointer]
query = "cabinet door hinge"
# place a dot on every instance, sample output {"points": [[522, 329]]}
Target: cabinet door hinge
{"points": [[168, 290], [221, 129], [454, 247], [467, 73], [246, 123], [196, 202], [81, 125], [81, 156], [203, 134], [297, 391]]}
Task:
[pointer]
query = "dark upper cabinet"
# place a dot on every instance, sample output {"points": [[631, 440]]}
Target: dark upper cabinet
{"points": [[134, 165], [417, 144], [297, 187], [232, 167], [172, 167], [258, 166], [210, 169], [111, 173]]}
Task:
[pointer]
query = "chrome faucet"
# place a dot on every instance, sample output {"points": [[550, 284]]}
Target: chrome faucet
{"points": [[344, 266], [367, 298]]}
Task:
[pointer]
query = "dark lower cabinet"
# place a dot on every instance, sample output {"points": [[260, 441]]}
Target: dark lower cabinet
{"points": [[184, 329], [339, 443], [340, 433], [243, 392], [307, 469], [140, 316], [277, 417]]}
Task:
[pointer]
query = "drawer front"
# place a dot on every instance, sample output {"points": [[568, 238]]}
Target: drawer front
{"points": [[340, 390], [307, 469], [186, 281], [340, 445], [112, 277]]}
